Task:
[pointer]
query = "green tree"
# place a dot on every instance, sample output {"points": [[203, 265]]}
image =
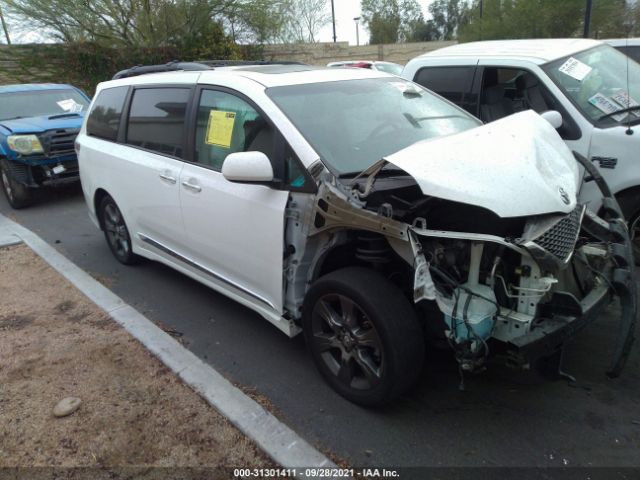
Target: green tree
{"points": [[390, 21], [149, 23], [5, 29], [257, 21], [447, 16], [304, 20], [503, 19]]}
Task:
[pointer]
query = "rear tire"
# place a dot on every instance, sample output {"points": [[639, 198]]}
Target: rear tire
{"points": [[18, 195], [116, 232], [363, 335]]}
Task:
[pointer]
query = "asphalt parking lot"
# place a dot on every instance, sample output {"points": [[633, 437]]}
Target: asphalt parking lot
{"points": [[503, 418]]}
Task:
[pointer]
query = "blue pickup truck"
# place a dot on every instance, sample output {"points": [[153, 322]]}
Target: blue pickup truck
{"points": [[38, 127]]}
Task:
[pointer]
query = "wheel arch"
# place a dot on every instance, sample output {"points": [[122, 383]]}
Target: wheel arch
{"points": [[344, 253], [99, 194], [330, 260]]}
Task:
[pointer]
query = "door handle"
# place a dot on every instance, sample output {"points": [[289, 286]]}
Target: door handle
{"points": [[168, 178], [191, 186]]}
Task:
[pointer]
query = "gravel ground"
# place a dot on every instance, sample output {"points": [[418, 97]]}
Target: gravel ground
{"points": [[55, 343]]}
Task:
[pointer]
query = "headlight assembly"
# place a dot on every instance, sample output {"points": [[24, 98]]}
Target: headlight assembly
{"points": [[25, 144]]}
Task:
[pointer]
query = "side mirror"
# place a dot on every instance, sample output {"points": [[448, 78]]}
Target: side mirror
{"points": [[247, 167], [553, 117]]}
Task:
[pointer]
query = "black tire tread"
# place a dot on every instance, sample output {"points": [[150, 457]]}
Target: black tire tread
{"points": [[131, 258], [22, 197], [400, 324]]}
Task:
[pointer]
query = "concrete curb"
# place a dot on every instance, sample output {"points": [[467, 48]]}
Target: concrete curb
{"points": [[283, 445]]}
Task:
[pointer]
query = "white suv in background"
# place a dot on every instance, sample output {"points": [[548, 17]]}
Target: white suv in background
{"points": [[589, 89], [359, 208]]}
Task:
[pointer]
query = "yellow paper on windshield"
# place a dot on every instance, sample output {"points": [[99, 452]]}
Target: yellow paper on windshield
{"points": [[220, 128]]}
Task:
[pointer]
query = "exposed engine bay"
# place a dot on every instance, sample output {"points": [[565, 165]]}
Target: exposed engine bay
{"points": [[517, 287]]}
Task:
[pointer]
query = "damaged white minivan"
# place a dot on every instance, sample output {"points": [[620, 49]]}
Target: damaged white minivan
{"points": [[360, 209]]}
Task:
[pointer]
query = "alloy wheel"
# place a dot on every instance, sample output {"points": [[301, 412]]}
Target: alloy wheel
{"points": [[116, 230], [347, 342]]}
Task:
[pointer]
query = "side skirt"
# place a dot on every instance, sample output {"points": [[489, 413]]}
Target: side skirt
{"points": [[211, 279]]}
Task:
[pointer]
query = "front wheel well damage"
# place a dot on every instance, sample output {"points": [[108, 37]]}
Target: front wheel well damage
{"points": [[371, 250]]}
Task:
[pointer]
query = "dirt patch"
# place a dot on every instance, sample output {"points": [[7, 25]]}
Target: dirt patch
{"points": [[14, 322], [64, 306], [135, 412]]}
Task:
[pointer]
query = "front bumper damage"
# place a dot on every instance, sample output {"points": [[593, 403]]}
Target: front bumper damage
{"points": [[565, 316], [44, 171], [540, 333]]}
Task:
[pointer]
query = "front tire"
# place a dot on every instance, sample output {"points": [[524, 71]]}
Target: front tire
{"points": [[18, 195], [634, 232], [363, 335], [630, 205], [116, 232]]}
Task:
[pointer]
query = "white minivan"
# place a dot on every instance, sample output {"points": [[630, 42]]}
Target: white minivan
{"points": [[594, 88], [361, 209]]}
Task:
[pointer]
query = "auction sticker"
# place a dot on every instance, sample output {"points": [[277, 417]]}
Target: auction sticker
{"points": [[220, 128], [625, 101], [575, 69], [70, 105], [606, 105]]}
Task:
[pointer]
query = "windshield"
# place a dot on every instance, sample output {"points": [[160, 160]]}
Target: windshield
{"points": [[596, 82], [392, 68], [40, 103], [354, 123]]}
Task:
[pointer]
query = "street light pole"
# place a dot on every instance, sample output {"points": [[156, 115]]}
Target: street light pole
{"points": [[481, 12], [333, 18], [587, 18], [356, 19], [4, 27]]}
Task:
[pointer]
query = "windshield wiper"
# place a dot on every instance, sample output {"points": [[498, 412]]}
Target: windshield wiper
{"points": [[62, 115], [10, 118], [624, 110]]}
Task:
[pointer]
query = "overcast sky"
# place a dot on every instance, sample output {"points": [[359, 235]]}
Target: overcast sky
{"points": [[346, 11]]}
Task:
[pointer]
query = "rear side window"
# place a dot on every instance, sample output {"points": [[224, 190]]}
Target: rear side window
{"points": [[156, 120], [104, 118], [453, 83]]}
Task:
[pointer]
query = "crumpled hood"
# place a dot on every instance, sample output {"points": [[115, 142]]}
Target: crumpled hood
{"points": [[41, 124], [516, 166]]}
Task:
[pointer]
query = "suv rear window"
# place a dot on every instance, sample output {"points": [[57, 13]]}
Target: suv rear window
{"points": [[104, 118], [156, 120]]}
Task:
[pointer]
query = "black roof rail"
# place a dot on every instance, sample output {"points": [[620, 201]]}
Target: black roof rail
{"points": [[195, 66], [243, 63], [167, 67]]}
